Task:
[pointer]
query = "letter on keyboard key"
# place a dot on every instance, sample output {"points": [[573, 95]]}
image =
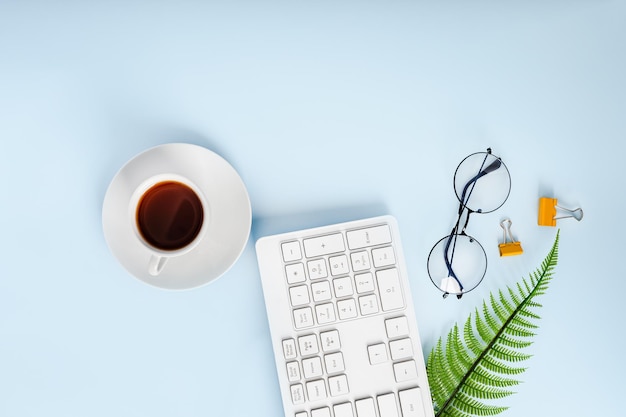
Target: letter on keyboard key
{"points": [[312, 367], [330, 340], [297, 394], [371, 236], [303, 317], [389, 288], [289, 348], [308, 345], [360, 261], [324, 245], [316, 390], [338, 385], [387, 405], [368, 304], [317, 269], [383, 257], [411, 403], [293, 371], [365, 408], [334, 363], [325, 313]]}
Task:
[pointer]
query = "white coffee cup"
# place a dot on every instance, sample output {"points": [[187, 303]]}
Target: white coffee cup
{"points": [[169, 215]]}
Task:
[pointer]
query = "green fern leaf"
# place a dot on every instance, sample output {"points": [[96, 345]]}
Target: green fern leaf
{"points": [[481, 361]]}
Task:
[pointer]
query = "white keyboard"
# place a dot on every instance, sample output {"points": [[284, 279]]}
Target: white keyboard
{"points": [[343, 328]]}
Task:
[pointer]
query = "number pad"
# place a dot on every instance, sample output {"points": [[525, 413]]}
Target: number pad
{"points": [[341, 286]]}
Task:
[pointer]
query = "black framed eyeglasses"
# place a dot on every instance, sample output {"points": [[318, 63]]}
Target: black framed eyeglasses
{"points": [[457, 263]]}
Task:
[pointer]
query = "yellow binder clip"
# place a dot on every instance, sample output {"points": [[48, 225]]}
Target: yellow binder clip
{"points": [[547, 212], [509, 248]]}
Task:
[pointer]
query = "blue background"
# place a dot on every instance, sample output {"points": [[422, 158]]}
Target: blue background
{"points": [[329, 111]]}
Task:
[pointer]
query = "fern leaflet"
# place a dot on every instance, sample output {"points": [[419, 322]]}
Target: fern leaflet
{"points": [[481, 361]]}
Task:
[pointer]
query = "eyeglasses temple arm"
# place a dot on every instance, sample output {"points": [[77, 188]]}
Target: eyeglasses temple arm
{"points": [[490, 168], [449, 263]]}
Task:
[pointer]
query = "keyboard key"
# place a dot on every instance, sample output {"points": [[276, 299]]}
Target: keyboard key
{"points": [[299, 295], [316, 390], [411, 403], [321, 291], [291, 251], [397, 327], [303, 317], [401, 349], [312, 367], [293, 371], [308, 345], [377, 353], [325, 313], [338, 385], [346, 309], [368, 304], [289, 349], [330, 340], [370, 236], [389, 289], [324, 245], [334, 363], [302, 414], [295, 273], [360, 261], [297, 394], [343, 287], [317, 269], [364, 282], [387, 405], [343, 410], [383, 257], [365, 408], [339, 265], [321, 412], [405, 371]]}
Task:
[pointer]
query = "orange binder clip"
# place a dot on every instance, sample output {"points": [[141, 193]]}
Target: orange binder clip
{"points": [[547, 212], [509, 248]]}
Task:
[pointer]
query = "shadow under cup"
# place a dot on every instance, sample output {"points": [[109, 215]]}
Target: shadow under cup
{"points": [[169, 216]]}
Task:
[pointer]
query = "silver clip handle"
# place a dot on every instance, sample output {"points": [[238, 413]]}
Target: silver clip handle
{"points": [[506, 226], [576, 213]]}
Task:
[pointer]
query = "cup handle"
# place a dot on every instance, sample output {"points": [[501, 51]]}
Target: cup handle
{"points": [[156, 264]]}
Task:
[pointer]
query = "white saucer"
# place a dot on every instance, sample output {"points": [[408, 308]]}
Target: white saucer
{"points": [[228, 224]]}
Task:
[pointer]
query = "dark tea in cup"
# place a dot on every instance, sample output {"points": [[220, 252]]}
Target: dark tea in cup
{"points": [[169, 215]]}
